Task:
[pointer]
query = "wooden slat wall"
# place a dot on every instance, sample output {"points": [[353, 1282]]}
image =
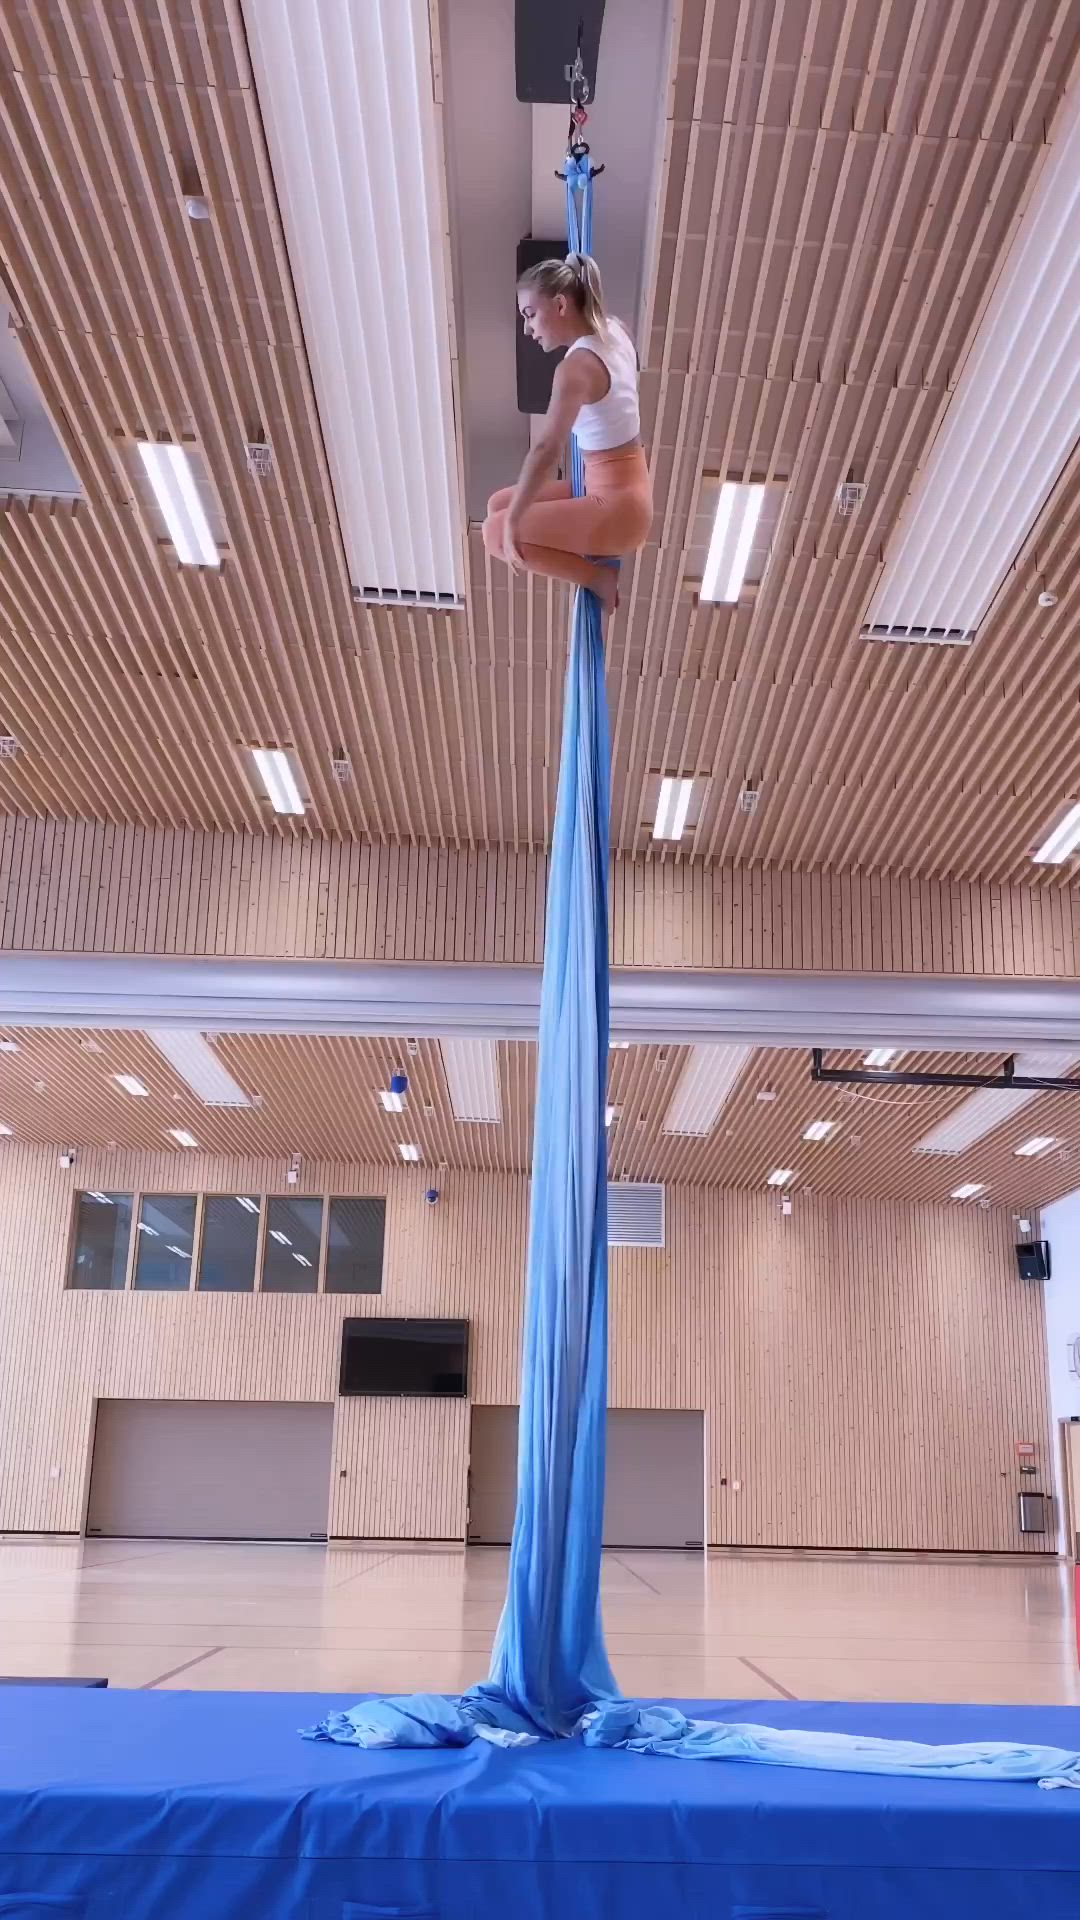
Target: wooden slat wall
{"points": [[865, 1368], [74, 887]]}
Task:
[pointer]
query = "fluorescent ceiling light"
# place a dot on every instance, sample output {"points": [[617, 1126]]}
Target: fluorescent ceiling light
{"points": [[1039, 1143], [197, 1062], [274, 769], [1062, 842], [780, 1176], [991, 1107], [9, 1046], [182, 1137], [352, 122], [102, 1199], [182, 1253], [281, 1238], [152, 1231], [393, 1102], [672, 807], [819, 1129], [737, 512], [5, 1131], [705, 1083], [133, 1085], [245, 1201], [611, 1114], [408, 1151], [968, 1190], [302, 1258], [472, 1079], [1009, 427], [619, 1046], [881, 1056], [169, 471]]}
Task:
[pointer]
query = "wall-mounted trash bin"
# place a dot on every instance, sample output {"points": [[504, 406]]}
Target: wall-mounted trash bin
{"points": [[1032, 1509]]}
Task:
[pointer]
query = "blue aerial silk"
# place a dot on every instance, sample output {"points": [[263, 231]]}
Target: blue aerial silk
{"points": [[550, 1674]]}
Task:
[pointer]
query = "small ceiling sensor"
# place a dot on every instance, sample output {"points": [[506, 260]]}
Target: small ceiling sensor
{"points": [[196, 206], [1048, 599]]}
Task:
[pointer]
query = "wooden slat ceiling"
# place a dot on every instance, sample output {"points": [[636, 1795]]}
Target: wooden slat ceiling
{"points": [[319, 1098], [841, 181]]}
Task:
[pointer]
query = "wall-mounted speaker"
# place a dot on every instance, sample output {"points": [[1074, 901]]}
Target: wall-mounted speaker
{"points": [[1033, 1259]]}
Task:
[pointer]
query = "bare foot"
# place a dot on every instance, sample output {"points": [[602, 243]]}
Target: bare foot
{"points": [[606, 588]]}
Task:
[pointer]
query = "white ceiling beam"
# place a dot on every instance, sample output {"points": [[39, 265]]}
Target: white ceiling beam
{"points": [[503, 1003]]}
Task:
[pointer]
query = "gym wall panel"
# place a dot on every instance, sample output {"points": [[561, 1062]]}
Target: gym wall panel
{"points": [[866, 1368], [79, 887]]}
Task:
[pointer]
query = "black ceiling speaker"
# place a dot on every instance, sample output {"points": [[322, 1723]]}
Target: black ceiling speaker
{"points": [[1033, 1259], [546, 40], [535, 368]]}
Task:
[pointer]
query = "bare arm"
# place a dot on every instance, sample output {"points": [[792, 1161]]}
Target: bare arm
{"points": [[580, 378]]}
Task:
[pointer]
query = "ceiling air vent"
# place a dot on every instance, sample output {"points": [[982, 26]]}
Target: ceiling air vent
{"points": [[635, 1214]]}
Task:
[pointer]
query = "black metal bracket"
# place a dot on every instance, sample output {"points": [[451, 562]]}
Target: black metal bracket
{"points": [[903, 1077]]}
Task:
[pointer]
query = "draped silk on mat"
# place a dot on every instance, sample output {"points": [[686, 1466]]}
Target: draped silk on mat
{"points": [[550, 1674]]}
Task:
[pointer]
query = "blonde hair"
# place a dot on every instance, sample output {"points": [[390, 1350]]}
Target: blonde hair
{"points": [[578, 277]]}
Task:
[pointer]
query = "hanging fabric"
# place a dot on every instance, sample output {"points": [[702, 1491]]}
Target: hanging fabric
{"points": [[550, 1674]]}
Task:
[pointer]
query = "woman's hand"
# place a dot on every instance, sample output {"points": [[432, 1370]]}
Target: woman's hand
{"points": [[512, 553]]}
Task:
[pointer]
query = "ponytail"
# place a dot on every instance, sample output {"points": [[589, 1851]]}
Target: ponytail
{"points": [[578, 278]]}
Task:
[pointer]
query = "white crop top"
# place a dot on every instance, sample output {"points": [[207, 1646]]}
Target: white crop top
{"points": [[615, 419]]}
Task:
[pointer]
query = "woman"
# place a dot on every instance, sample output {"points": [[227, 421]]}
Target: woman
{"points": [[537, 525]]}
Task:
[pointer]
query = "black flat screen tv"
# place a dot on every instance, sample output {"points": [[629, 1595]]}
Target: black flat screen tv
{"points": [[428, 1357]]}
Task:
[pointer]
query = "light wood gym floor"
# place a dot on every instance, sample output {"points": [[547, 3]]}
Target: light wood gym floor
{"points": [[379, 1618]]}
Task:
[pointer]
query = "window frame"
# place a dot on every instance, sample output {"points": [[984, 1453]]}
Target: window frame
{"points": [[226, 1193], [137, 1194]]}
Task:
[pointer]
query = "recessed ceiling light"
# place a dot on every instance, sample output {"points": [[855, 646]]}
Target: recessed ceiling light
{"points": [[5, 1131], [610, 1116], [968, 1190], [393, 1102], [133, 1085], [672, 807], [182, 1137], [1061, 842], [1039, 1143], [780, 1176], [274, 769], [737, 511], [472, 1079], [408, 1151], [881, 1056], [197, 1062], [620, 1046], [9, 1046], [1010, 425], [765, 1096], [706, 1083], [169, 471], [819, 1129]]}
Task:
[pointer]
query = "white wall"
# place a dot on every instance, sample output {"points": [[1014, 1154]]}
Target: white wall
{"points": [[1061, 1297]]}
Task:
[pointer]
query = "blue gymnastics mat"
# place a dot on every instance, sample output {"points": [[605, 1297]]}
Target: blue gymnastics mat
{"points": [[207, 1806]]}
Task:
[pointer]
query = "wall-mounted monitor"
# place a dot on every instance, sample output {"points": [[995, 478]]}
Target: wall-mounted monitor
{"points": [[428, 1357]]}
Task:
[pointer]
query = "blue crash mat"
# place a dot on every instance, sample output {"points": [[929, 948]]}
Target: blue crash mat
{"points": [[204, 1806]]}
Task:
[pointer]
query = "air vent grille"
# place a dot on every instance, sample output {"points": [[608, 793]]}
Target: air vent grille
{"points": [[635, 1214]]}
